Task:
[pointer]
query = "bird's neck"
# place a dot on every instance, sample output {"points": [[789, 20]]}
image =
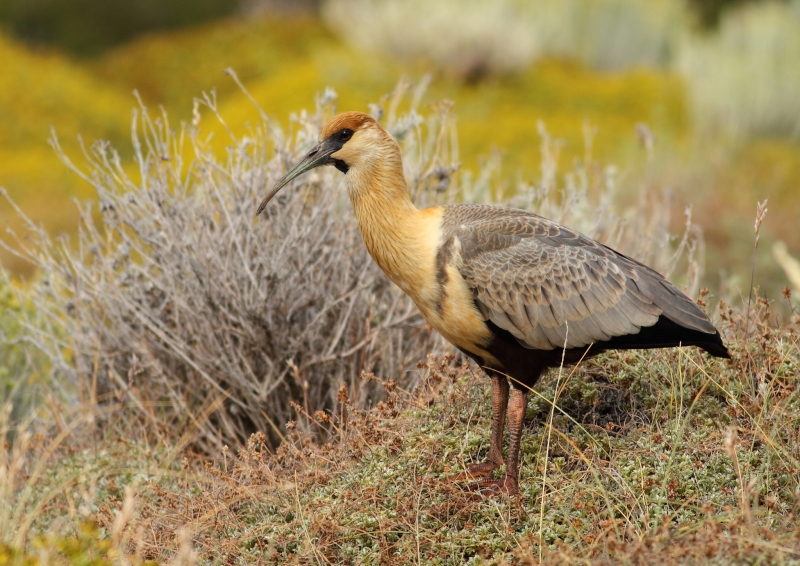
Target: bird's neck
{"points": [[396, 233]]}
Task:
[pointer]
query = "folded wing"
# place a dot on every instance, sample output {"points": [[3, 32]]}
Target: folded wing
{"points": [[552, 287]]}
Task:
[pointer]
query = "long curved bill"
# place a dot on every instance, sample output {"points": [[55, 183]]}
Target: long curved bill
{"points": [[320, 155]]}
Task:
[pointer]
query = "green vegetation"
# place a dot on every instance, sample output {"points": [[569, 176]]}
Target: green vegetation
{"points": [[170, 70], [88, 27], [24, 372], [654, 458], [659, 457]]}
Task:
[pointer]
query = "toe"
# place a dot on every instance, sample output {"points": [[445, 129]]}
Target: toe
{"points": [[482, 470]]}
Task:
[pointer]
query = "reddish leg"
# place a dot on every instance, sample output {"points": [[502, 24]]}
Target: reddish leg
{"points": [[516, 417], [499, 407], [509, 484]]}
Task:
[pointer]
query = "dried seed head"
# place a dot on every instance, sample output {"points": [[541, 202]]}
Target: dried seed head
{"points": [[761, 212], [342, 396], [645, 136], [730, 441]]}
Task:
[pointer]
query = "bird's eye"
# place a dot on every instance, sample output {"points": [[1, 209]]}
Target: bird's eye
{"points": [[345, 134]]}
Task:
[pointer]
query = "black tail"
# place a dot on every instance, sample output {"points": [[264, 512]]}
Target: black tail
{"points": [[667, 334]]}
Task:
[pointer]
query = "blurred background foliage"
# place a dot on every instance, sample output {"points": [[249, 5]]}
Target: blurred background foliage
{"points": [[702, 96], [89, 27], [626, 111]]}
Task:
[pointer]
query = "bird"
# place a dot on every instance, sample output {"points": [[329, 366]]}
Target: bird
{"points": [[515, 292]]}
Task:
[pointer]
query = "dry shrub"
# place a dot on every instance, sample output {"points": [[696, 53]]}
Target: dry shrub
{"points": [[216, 503], [176, 301], [174, 294], [478, 38], [469, 40], [744, 79]]}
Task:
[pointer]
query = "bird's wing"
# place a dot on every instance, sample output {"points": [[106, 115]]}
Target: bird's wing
{"points": [[550, 286]]}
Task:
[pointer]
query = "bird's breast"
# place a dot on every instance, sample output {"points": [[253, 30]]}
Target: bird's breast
{"points": [[441, 293], [455, 316], [415, 253]]}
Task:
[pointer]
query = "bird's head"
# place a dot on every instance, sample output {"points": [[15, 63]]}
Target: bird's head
{"points": [[346, 141]]}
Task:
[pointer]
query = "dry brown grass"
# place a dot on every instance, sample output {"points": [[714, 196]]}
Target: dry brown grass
{"points": [[661, 457]]}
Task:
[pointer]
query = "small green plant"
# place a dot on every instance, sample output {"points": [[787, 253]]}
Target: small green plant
{"points": [[23, 370]]}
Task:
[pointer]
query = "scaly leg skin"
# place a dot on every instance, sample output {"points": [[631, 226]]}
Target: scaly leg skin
{"points": [[516, 415], [495, 458]]}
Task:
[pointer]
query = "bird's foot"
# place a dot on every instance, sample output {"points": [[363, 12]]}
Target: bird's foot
{"points": [[503, 486], [482, 470]]}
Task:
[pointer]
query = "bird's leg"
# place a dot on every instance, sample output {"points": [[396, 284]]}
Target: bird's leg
{"points": [[499, 407], [516, 416]]}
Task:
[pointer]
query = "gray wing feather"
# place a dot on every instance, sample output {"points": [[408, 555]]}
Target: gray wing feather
{"points": [[550, 286]]}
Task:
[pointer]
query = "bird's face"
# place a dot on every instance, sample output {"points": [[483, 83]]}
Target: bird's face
{"points": [[344, 142]]}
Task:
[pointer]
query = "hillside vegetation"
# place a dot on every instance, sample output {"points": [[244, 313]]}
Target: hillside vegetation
{"points": [[660, 457], [285, 64], [183, 382], [178, 325]]}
